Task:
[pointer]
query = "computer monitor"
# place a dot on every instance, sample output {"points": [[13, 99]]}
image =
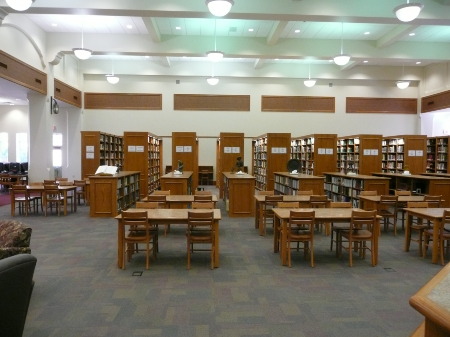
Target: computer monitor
{"points": [[1, 167], [5, 167], [14, 168], [24, 167]]}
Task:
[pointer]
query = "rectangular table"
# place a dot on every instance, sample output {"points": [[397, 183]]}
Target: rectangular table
{"points": [[167, 216], [434, 215], [281, 216], [182, 199]]}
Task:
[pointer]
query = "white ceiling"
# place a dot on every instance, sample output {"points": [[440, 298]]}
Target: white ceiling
{"points": [[257, 31]]}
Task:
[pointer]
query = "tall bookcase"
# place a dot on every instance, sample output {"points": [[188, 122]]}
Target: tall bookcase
{"points": [[185, 148], [316, 153], [271, 152], [229, 146], [405, 153], [360, 154], [100, 148], [437, 154], [143, 153]]}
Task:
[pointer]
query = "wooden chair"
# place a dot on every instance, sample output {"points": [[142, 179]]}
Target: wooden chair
{"points": [[50, 182], [319, 201], [368, 193], [443, 237], [81, 191], [137, 231], [270, 201], [160, 197], [22, 199], [265, 192], [200, 231], [288, 204], [362, 230], [197, 192], [203, 198], [52, 196], [434, 201], [202, 205], [336, 228], [387, 208], [402, 205], [300, 229], [308, 192], [417, 226]]}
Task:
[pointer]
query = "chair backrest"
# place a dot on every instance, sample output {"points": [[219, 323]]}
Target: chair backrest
{"points": [[200, 219], [197, 192], [136, 220], [363, 219], [417, 204], [288, 204], [368, 193], [36, 183], [265, 192], [19, 190], [159, 192], [388, 199], [52, 192], [202, 205], [49, 182], [272, 200], [302, 219], [317, 201], [63, 179], [147, 204], [433, 200], [341, 204], [203, 198], [308, 192], [446, 221], [160, 199], [65, 183], [402, 192], [81, 183]]}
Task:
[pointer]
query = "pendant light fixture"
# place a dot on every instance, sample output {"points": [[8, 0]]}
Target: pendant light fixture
{"points": [[309, 82], [342, 59], [215, 55], [111, 78], [408, 12], [402, 84], [82, 53], [212, 80], [20, 5], [219, 7]]}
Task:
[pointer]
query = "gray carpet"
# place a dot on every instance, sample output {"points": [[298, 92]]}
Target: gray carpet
{"points": [[79, 291]]}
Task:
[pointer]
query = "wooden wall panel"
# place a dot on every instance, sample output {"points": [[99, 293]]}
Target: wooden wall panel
{"points": [[381, 105], [19, 72], [94, 100], [68, 94], [436, 102], [298, 104], [212, 102]]}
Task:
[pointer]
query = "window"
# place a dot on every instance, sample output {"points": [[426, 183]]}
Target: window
{"points": [[3, 147], [57, 149], [21, 147]]}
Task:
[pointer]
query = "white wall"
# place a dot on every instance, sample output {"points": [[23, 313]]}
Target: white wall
{"points": [[13, 120]]}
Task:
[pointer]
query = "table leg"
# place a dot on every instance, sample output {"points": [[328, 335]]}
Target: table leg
{"points": [[276, 234], [13, 203], [435, 255], [376, 233], [216, 243], [119, 244], [257, 216], [409, 219]]}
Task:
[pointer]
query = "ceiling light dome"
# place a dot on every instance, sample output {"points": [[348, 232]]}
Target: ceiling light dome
{"points": [[215, 55], [212, 80], [82, 53], [219, 7], [19, 5], [113, 79], [342, 59], [309, 83], [402, 84], [408, 12]]}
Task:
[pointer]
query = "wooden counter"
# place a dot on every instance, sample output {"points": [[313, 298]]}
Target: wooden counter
{"points": [[287, 183], [238, 194], [177, 183]]}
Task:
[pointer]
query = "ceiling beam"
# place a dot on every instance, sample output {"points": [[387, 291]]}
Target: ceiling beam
{"points": [[275, 33], [395, 35]]}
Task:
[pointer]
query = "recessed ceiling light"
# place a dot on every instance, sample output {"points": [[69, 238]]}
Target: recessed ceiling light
{"points": [[412, 34], [178, 28], [297, 31], [418, 62], [250, 29], [365, 61], [54, 24], [366, 33], [129, 26]]}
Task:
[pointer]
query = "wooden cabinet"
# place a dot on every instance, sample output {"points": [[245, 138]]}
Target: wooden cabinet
{"points": [[229, 147], [360, 154], [185, 149], [287, 183], [437, 154], [342, 187], [271, 153], [109, 195], [99, 148], [177, 183], [143, 152], [239, 190], [316, 153], [404, 153]]}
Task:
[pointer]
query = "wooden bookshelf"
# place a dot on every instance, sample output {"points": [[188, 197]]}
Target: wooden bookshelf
{"points": [[437, 154], [229, 146], [404, 153], [316, 153], [143, 152], [109, 195], [100, 148], [271, 152], [185, 148], [287, 183], [343, 187], [360, 154]]}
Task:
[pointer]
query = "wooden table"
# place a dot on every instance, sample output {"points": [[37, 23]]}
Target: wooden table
{"points": [[167, 216], [281, 215], [177, 183], [434, 215], [182, 199], [367, 201], [40, 189]]}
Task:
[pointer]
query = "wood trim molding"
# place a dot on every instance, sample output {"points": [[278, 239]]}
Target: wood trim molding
{"points": [[122, 101], [436, 102], [381, 105], [66, 93], [298, 104], [211, 102]]}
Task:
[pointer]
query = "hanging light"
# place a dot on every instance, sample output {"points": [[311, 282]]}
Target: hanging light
{"points": [[408, 12], [402, 84], [212, 80], [309, 82], [215, 55], [111, 78], [342, 59], [19, 5], [219, 7], [82, 53]]}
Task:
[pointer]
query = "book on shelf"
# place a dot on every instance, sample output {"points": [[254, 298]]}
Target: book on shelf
{"points": [[106, 170]]}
